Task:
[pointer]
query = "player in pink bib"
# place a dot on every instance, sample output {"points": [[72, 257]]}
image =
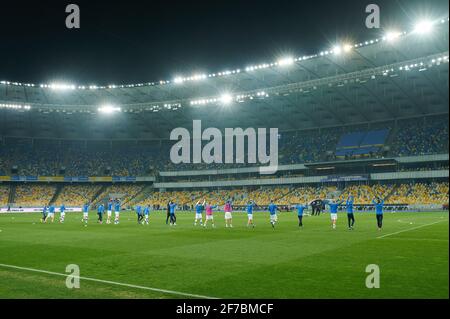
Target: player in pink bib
{"points": [[209, 215], [228, 217]]}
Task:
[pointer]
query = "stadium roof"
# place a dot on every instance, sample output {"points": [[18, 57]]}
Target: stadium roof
{"points": [[399, 75]]}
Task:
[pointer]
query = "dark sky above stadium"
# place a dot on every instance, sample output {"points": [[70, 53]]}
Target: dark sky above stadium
{"points": [[140, 41]]}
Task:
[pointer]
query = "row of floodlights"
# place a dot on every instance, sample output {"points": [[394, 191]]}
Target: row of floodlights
{"points": [[110, 109], [15, 106], [228, 98], [421, 28]]}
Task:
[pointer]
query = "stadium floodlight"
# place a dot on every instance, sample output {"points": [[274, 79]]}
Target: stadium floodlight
{"points": [[178, 80], [109, 109], [226, 98], [347, 48], [61, 86], [198, 77], [337, 50], [392, 36], [15, 106], [286, 61], [423, 27]]}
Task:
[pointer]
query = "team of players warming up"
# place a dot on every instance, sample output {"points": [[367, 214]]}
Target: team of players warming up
{"points": [[207, 208]]}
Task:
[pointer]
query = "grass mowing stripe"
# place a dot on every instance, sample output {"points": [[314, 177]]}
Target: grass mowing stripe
{"points": [[409, 229], [172, 292]]}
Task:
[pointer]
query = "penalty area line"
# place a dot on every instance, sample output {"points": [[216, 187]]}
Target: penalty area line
{"points": [[171, 292], [409, 229]]}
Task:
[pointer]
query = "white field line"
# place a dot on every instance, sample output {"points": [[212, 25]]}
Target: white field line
{"points": [[171, 292], [409, 229]]}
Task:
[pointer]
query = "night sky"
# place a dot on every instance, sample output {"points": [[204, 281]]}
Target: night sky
{"points": [[142, 41]]}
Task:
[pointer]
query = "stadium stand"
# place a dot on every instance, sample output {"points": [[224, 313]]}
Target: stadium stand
{"points": [[421, 193], [301, 147], [182, 198], [125, 192], [4, 195], [418, 138], [102, 159], [364, 194], [240, 197], [302, 195], [34, 195], [408, 193], [361, 143], [77, 195]]}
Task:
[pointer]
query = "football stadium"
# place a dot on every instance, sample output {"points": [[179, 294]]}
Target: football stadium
{"points": [[163, 190]]}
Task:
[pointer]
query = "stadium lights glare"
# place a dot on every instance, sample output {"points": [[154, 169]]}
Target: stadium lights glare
{"points": [[286, 61], [337, 50], [423, 27], [392, 36], [226, 98], [178, 80], [347, 48], [109, 109], [419, 65], [15, 106], [59, 86], [198, 77]]}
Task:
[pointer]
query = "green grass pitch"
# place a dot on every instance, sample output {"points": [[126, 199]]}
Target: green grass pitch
{"points": [[288, 262]]}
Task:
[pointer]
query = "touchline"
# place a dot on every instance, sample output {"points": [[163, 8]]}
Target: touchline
{"points": [[213, 151]]}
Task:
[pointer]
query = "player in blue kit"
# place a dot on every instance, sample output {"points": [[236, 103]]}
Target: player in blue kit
{"points": [[100, 211], [199, 207], [146, 214], [116, 212], [62, 213], [173, 218], [379, 203], [350, 215], [44, 214], [300, 209], [109, 211], [139, 214], [85, 213], [333, 212], [249, 209], [273, 214], [51, 212]]}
